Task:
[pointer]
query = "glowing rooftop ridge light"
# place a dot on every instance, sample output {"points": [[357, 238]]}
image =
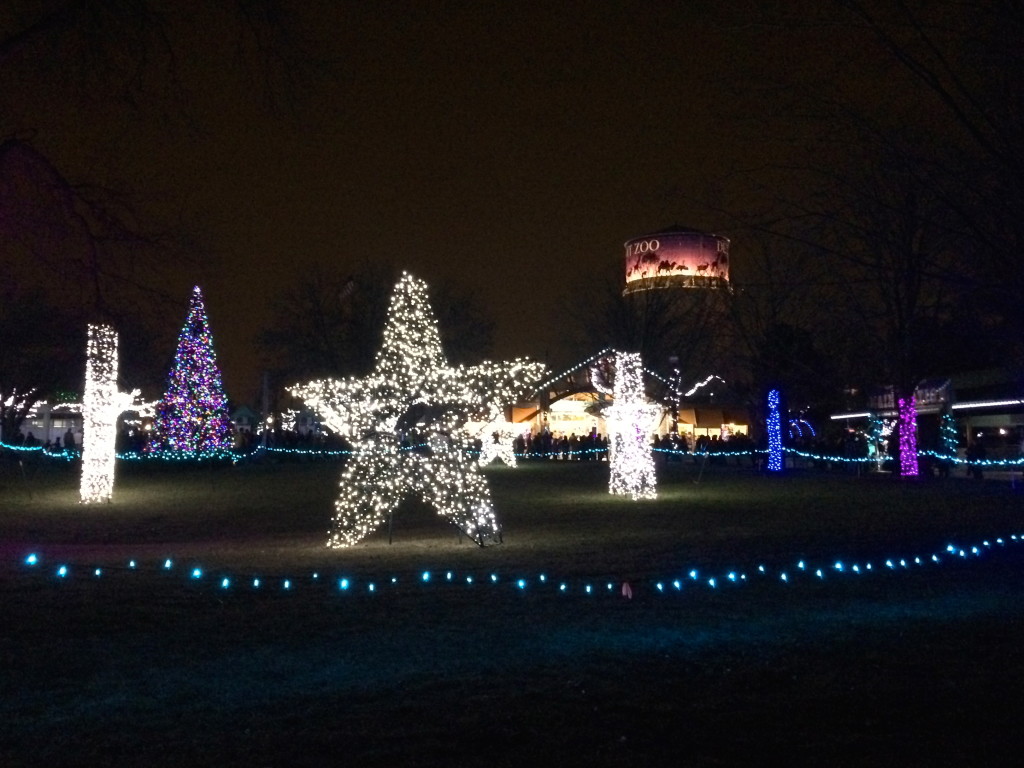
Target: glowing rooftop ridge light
{"points": [[985, 404]]}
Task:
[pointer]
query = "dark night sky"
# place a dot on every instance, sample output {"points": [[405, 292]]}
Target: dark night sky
{"points": [[512, 152]]}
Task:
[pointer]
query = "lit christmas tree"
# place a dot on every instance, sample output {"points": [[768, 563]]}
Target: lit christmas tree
{"points": [[192, 418], [948, 435]]}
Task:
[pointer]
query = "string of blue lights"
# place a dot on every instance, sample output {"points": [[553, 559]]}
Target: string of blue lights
{"points": [[65, 455], [826, 571]]}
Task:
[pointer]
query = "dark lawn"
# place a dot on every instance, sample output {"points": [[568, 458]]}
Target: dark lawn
{"points": [[920, 666]]}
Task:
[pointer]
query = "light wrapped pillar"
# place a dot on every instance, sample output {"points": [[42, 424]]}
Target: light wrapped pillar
{"points": [[908, 437], [629, 420], [774, 427], [101, 405]]}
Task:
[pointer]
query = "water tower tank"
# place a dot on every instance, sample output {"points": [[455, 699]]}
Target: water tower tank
{"points": [[677, 257]]}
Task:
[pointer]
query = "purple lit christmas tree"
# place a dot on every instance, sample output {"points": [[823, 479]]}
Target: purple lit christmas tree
{"points": [[192, 418]]}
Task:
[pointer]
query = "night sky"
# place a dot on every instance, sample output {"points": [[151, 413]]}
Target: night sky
{"points": [[512, 152]]}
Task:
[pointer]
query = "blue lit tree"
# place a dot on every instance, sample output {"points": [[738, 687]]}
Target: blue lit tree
{"points": [[193, 418], [949, 438], [774, 428]]}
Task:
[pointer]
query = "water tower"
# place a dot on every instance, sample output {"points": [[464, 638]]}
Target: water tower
{"points": [[677, 257]]}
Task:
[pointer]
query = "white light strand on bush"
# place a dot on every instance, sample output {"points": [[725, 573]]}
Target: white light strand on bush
{"points": [[101, 405], [629, 419], [413, 391]]}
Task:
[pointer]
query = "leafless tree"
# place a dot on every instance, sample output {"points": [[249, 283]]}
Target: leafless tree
{"points": [[330, 322], [75, 237]]}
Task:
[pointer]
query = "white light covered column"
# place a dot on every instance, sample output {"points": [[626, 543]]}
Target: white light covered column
{"points": [[629, 420], [101, 405]]}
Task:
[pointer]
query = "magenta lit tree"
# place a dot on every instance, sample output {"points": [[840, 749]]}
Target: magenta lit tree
{"points": [[193, 418], [908, 437]]}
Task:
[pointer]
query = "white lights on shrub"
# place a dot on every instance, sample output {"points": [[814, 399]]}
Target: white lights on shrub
{"points": [[629, 420], [412, 394]]}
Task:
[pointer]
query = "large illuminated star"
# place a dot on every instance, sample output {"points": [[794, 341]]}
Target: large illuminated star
{"points": [[407, 417]]}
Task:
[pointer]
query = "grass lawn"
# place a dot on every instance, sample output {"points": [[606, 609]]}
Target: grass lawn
{"points": [[912, 666]]}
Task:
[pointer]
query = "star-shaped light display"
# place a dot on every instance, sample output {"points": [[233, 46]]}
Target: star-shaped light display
{"points": [[497, 441], [408, 418], [629, 419]]}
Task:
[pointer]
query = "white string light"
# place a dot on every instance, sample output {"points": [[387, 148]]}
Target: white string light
{"points": [[413, 391]]}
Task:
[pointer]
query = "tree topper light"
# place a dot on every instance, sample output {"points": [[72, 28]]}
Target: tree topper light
{"points": [[408, 419]]}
